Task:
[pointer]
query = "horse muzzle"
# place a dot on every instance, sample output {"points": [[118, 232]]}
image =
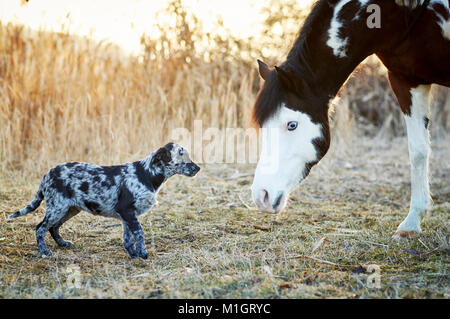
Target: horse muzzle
{"points": [[269, 201]]}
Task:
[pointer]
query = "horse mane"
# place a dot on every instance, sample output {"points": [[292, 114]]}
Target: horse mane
{"points": [[298, 58], [298, 62], [269, 98]]}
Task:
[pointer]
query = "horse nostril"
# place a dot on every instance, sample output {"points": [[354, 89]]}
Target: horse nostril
{"points": [[277, 200], [265, 197]]}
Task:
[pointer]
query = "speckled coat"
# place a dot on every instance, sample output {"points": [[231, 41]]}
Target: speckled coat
{"points": [[123, 191]]}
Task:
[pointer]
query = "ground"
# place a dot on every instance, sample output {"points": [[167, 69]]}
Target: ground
{"points": [[206, 239]]}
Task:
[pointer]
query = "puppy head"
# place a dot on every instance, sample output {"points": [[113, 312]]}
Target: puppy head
{"points": [[176, 160]]}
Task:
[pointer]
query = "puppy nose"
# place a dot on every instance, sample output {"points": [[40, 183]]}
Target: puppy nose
{"points": [[194, 168]]}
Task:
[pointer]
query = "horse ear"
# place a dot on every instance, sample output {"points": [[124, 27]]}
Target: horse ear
{"points": [[263, 70], [287, 79]]}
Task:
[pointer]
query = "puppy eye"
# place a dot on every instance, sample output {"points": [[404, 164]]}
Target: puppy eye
{"points": [[181, 152], [292, 125]]}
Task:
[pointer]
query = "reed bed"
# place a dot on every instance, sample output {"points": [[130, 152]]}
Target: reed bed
{"points": [[63, 97]]}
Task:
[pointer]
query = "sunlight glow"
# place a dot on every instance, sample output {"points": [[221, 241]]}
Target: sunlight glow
{"points": [[123, 22]]}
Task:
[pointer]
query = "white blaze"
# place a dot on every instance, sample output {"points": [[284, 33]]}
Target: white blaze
{"points": [[283, 157]]}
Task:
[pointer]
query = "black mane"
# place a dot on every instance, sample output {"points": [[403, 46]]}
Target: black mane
{"points": [[298, 62], [268, 100], [298, 59]]}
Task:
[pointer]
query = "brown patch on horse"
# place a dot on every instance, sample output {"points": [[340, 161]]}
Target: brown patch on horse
{"points": [[402, 90], [422, 57]]}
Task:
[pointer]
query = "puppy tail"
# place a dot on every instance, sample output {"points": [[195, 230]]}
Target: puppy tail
{"points": [[33, 205]]}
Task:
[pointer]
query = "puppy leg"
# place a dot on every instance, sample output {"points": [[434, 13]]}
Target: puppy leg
{"points": [[52, 215], [135, 227], [54, 230], [128, 241]]}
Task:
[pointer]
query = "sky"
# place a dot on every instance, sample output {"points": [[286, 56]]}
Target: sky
{"points": [[124, 21]]}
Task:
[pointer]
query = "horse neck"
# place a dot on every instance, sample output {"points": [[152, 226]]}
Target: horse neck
{"points": [[325, 54]]}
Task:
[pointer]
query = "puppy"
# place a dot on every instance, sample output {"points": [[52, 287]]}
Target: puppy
{"points": [[123, 192]]}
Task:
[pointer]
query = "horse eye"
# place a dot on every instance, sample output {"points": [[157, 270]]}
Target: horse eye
{"points": [[292, 125]]}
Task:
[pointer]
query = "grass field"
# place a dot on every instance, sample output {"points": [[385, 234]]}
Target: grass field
{"points": [[67, 98], [206, 240]]}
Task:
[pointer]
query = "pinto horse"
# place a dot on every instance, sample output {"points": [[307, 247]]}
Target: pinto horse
{"points": [[412, 39]]}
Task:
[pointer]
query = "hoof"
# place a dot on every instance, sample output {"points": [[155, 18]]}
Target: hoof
{"points": [[405, 235]]}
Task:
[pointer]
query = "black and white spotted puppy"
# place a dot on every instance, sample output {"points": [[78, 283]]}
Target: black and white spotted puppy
{"points": [[123, 191]]}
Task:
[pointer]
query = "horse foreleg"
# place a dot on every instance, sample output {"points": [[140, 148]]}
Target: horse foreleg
{"points": [[419, 151], [416, 119]]}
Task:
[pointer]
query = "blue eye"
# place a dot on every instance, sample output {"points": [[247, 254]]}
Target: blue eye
{"points": [[292, 125]]}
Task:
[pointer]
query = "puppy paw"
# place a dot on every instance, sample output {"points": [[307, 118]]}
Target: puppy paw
{"points": [[45, 252], [133, 254], [65, 244], [143, 254]]}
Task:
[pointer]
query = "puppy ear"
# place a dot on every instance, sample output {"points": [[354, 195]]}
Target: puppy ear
{"points": [[161, 155], [169, 146]]}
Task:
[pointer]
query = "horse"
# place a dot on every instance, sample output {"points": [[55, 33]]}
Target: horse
{"points": [[412, 40]]}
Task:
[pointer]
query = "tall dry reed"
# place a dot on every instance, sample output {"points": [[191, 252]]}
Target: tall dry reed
{"points": [[67, 98]]}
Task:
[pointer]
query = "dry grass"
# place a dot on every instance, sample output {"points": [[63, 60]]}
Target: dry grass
{"points": [[206, 240], [66, 98]]}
